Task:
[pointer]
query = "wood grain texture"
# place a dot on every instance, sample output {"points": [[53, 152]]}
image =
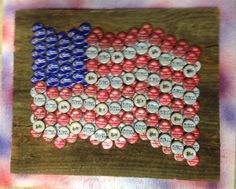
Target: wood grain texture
{"points": [[198, 26]]}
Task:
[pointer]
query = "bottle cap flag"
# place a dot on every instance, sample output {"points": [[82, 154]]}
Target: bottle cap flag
{"points": [[115, 89]]}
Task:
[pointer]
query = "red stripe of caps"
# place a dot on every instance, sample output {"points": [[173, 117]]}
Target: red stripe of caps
{"points": [[134, 139], [155, 143], [194, 162], [177, 76], [128, 92], [130, 40], [141, 87], [101, 122], [59, 143], [164, 126], [40, 87], [153, 93], [65, 93], [165, 72], [39, 113], [104, 43], [89, 116], [152, 120], [120, 143], [128, 65], [118, 44], [177, 132], [165, 99], [141, 61], [155, 39], [114, 121], [195, 49], [92, 65], [63, 119], [189, 139], [189, 111], [116, 69], [128, 118], [92, 39], [102, 96], [140, 114], [77, 88], [121, 35], [98, 31], [90, 90], [52, 93], [103, 70], [191, 57], [142, 35], [177, 105], [115, 95], [50, 119], [76, 114]]}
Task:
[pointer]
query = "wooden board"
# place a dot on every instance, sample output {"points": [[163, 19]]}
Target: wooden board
{"points": [[199, 26]]}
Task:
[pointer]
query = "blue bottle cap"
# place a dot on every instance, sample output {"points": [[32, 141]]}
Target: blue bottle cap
{"points": [[78, 38], [41, 61], [65, 55], [52, 53], [34, 67], [72, 32], [77, 77], [52, 67], [78, 64], [52, 80], [85, 28], [40, 33], [61, 35], [35, 40], [36, 26], [64, 42], [50, 31], [34, 79], [40, 47], [66, 68], [78, 51], [39, 74], [51, 40], [35, 54], [66, 81]]}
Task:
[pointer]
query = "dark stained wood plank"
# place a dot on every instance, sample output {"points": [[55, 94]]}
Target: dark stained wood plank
{"points": [[199, 26]]}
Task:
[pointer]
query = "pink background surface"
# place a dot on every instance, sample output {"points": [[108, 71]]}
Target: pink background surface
{"points": [[227, 98]]}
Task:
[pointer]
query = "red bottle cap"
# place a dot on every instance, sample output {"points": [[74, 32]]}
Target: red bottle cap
{"points": [[155, 39], [102, 96], [116, 69], [39, 113], [93, 140], [63, 119], [101, 122], [179, 51], [90, 90], [182, 42], [114, 121], [177, 105], [153, 66], [177, 132], [171, 39], [166, 46], [118, 44], [196, 132], [92, 65], [152, 120], [128, 65], [82, 135], [130, 40], [196, 78], [128, 92], [50, 119], [194, 162], [196, 50], [166, 150], [155, 143], [107, 144], [110, 36], [189, 111], [52, 93], [98, 31], [104, 43], [103, 70], [40, 87], [89, 116], [133, 139], [76, 114], [196, 105], [34, 134], [140, 114], [164, 126], [92, 39], [179, 157], [143, 136], [165, 72], [153, 93], [189, 84], [59, 143], [177, 76], [115, 95], [72, 138], [141, 61], [142, 35], [77, 88], [65, 93], [191, 57], [120, 143], [188, 139], [159, 31], [128, 118], [141, 87], [165, 99], [148, 27]]}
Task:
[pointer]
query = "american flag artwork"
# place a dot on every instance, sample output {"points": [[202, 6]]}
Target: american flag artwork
{"points": [[114, 89]]}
